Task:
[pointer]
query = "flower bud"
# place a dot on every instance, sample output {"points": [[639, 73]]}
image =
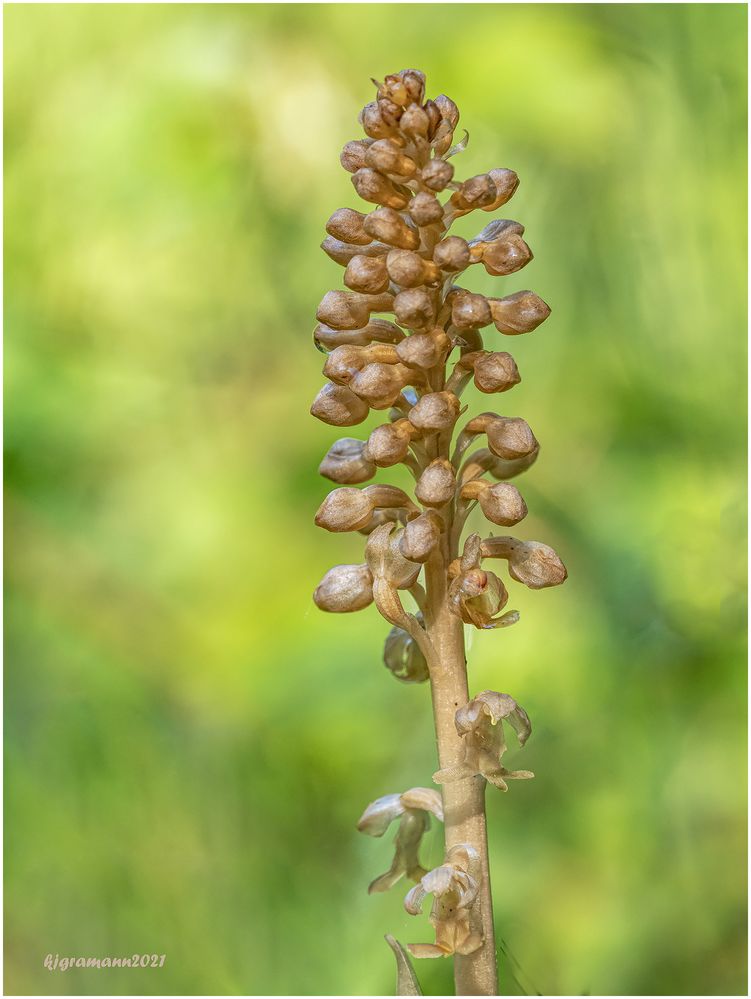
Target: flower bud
{"points": [[389, 443], [511, 437], [477, 192], [424, 350], [414, 121], [346, 464], [519, 313], [342, 253], [500, 247], [338, 406], [352, 156], [373, 123], [420, 537], [347, 225], [405, 87], [414, 83], [409, 270], [402, 655], [377, 330], [529, 562], [506, 183], [452, 254], [442, 137], [349, 509], [436, 485], [388, 226], [414, 308], [449, 111], [469, 311], [435, 411], [346, 311], [434, 117], [391, 113], [380, 384], [505, 256], [436, 174], [344, 362], [344, 509], [367, 274], [386, 561], [501, 502], [374, 187], [493, 231], [344, 589], [495, 372], [388, 158], [425, 209]]}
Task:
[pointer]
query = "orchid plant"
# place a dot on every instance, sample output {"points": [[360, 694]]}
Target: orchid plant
{"points": [[399, 259]]}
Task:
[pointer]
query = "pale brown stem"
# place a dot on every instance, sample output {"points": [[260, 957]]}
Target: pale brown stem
{"points": [[463, 801]]}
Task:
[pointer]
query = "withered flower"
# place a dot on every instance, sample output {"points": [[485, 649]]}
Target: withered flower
{"points": [[413, 809], [454, 888], [480, 724]]}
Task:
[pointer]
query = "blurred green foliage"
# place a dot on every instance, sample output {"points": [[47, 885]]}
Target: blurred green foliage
{"points": [[189, 742]]}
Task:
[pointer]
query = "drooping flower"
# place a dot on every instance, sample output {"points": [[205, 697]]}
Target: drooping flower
{"points": [[413, 808]]}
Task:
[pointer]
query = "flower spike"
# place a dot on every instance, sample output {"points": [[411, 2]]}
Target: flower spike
{"points": [[403, 337]]}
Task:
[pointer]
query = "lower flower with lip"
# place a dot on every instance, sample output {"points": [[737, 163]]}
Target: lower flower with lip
{"points": [[477, 595], [413, 808], [480, 725], [454, 888]]}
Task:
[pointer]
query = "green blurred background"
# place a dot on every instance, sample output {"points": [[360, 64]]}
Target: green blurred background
{"points": [[188, 741]]}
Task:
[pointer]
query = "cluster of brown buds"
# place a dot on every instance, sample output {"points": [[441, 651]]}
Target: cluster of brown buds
{"points": [[400, 261]]}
